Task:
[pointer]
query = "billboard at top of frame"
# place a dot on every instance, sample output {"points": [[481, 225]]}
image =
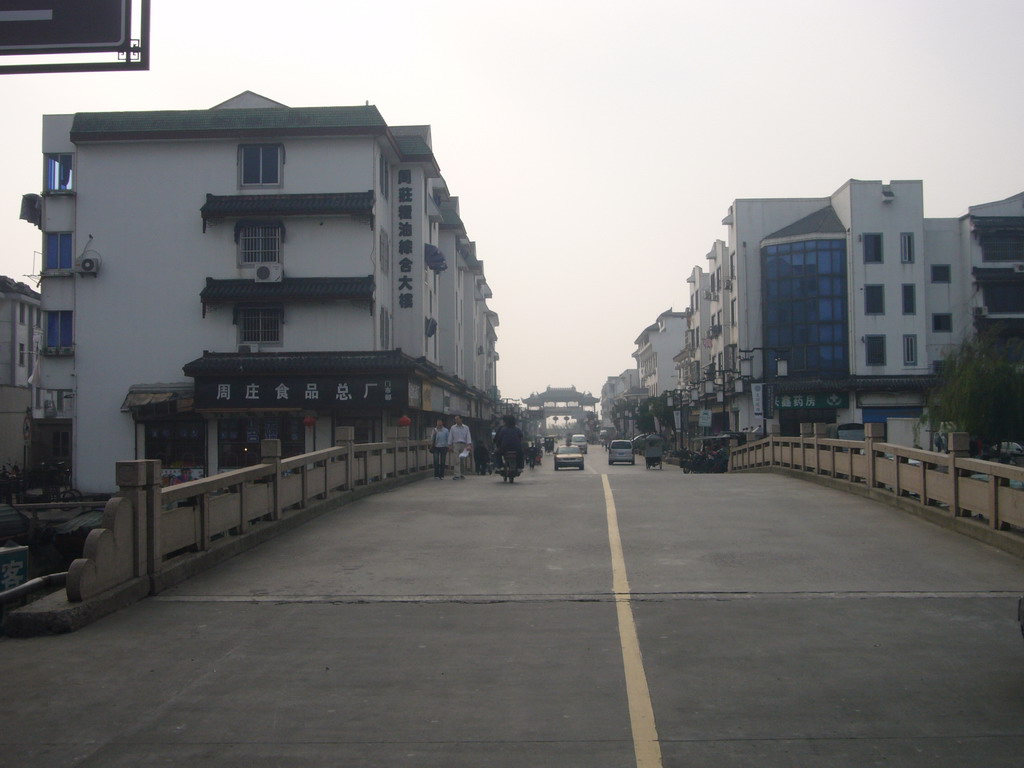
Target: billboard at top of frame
{"points": [[64, 26]]}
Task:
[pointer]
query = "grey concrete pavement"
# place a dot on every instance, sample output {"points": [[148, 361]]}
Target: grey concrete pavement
{"points": [[472, 624]]}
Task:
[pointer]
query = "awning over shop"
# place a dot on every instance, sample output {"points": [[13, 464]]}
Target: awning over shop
{"points": [[434, 258], [165, 398]]}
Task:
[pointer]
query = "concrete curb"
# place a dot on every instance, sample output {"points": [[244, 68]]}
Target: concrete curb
{"points": [[1010, 543], [54, 614]]}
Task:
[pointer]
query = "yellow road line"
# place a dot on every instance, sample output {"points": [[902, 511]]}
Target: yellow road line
{"points": [[641, 712]]}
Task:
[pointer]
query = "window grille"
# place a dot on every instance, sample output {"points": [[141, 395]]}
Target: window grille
{"points": [[260, 244], [259, 325]]}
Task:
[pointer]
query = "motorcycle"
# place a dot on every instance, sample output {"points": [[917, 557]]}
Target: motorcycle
{"points": [[509, 467]]}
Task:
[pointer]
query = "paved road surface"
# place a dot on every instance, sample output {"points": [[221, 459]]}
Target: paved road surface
{"points": [[473, 623]]}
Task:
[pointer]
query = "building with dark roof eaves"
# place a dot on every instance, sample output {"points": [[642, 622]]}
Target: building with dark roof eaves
{"points": [[275, 267]]}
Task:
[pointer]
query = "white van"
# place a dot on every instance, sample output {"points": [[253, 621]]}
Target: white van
{"points": [[580, 441]]}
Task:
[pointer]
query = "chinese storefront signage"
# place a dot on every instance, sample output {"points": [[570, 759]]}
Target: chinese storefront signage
{"points": [[813, 400], [405, 241], [308, 392], [13, 567]]}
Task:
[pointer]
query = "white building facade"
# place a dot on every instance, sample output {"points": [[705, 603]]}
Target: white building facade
{"points": [[656, 347], [253, 271], [857, 294]]}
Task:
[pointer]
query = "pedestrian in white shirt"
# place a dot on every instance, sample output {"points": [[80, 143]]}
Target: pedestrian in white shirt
{"points": [[461, 442]]}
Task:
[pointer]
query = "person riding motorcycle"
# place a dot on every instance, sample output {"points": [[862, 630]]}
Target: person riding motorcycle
{"points": [[509, 438]]}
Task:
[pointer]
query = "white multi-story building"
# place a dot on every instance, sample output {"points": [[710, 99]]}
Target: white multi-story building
{"points": [[253, 271], [24, 429], [656, 347], [612, 389], [838, 309]]}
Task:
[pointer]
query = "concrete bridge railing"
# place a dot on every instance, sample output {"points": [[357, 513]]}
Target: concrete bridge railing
{"points": [[153, 537], [948, 483]]}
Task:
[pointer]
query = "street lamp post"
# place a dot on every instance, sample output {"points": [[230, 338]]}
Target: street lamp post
{"points": [[781, 371]]}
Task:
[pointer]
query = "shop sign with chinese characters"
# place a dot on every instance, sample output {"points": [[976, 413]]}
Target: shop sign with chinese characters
{"points": [[813, 400], [13, 567], [405, 239], [302, 392]]}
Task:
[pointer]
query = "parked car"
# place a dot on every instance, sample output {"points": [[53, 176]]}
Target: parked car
{"points": [[568, 456], [621, 450], [580, 441]]}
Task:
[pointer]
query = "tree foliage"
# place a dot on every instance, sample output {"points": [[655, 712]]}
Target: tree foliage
{"points": [[981, 389]]}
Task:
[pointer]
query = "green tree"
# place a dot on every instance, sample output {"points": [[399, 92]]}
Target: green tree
{"points": [[981, 389]]}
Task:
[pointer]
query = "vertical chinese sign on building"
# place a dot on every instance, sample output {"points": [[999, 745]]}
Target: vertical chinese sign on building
{"points": [[405, 239]]}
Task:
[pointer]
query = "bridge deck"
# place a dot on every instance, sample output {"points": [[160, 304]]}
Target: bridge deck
{"points": [[474, 623]]}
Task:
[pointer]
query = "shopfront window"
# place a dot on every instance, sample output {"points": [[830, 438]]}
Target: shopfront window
{"points": [[238, 439], [180, 446]]}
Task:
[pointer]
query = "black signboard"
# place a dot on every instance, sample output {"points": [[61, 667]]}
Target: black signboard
{"points": [[64, 26], [314, 393]]}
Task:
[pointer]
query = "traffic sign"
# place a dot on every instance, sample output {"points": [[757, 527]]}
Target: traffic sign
{"points": [[64, 26]]}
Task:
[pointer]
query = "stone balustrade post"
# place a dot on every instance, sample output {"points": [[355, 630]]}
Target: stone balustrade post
{"points": [[958, 447], [806, 433], [139, 482], [345, 437], [270, 453], [819, 430], [873, 433]]}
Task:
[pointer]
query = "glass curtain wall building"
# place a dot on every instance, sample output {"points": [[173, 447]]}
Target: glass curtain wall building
{"points": [[805, 312]]}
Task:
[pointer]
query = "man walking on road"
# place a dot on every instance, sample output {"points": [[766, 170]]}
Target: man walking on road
{"points": [[440, 444], [462, 441]]}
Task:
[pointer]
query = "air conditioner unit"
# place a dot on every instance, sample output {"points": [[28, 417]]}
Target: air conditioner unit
{"points": [[727, 284], [1018, 267], [978, 311], [88, 263], [248, 349], [706, 295], [268, 273]]}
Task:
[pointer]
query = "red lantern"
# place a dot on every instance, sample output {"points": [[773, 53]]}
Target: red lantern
{"points": [[309, 421], [404, 421]]}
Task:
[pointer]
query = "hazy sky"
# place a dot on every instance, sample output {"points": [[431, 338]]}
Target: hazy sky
{"points": [[595, 146]]}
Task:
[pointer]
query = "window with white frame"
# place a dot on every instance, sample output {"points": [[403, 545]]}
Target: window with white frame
{"points": [[260, 325], [910, 349], [58, 251], [260, 164], [59, 172], [259, 243], [872, 247], [909, 299], [874, 350], [59, 329], [907, 247], [874, 299], [942, 322]]}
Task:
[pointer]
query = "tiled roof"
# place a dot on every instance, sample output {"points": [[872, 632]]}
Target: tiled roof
{"points": [[823, 222], [312, 363], [450, 218], [289, 289], [413, 146], [561, 395], [329, 204], [9, 285], [233, 123]]}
